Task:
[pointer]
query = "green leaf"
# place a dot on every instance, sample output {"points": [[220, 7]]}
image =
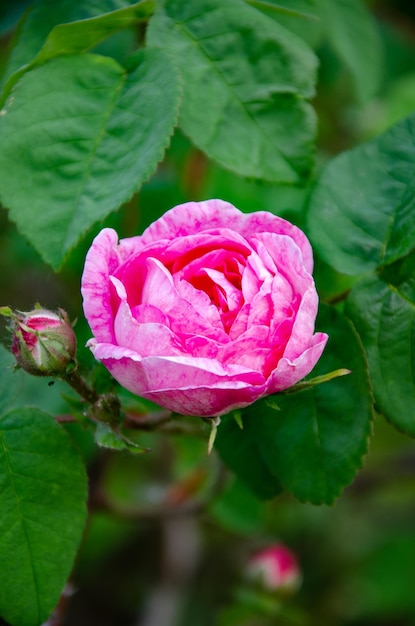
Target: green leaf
{"points": [[76, 37], [106, 437], [239, 451], [316, 442], [361, 213], [10, 381], [44, 15], [237, 509], [278, 8], [352, 32], [246, 80], [384, 316], [43, 512], [86, 134], [299, 16]]}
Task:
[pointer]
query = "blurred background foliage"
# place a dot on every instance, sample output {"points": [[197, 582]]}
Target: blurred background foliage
{"points": [[141, 563]]}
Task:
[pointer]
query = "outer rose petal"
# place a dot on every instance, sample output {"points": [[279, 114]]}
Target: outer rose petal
{"points": [[191, 386], [102, 259], [289, 372]]}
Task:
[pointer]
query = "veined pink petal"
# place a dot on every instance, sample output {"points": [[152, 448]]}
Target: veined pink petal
{"points": [[147, 339], [193, 217], [250, 350], [101, 261], [261, 309], [284, 301], [253, 275], [303, 326], [209, 401], [182, 384], [286, 256], [290, 372], [202, 305]]}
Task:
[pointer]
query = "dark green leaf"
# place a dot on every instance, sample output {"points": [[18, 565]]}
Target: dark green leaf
{"points": [[384, 316], [239, 451], [362, 209], [86, 134], [42, 502], [352, 32], [316, 441], [245, 82], [237, 509], [44, 15], [77, 36]]}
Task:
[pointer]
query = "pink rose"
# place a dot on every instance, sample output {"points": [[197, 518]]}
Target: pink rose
{"points": [[44, 342], [275, 569], [207, 311]]}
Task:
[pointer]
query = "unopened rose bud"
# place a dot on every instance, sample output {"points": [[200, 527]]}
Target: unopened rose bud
{"points": [[274, 569], [44, 342]]}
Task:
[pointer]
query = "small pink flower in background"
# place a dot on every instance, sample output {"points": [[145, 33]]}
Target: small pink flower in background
{"points": [[44, 343], [274, 569], [207, 311]]}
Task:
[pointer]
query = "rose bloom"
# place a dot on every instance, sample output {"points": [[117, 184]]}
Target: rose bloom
{"points": [[275, 569], [44, 342], [207, 311]]}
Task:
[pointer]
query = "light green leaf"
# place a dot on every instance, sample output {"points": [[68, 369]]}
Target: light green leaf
{"points": [[352, 32], [299, 16], [44, 15], [316, 442], [246, 80], [278, 8], [43, 512], [106, 437], [86, 134], [362, 213], [78, 36], [384, 316], [10, 381]]}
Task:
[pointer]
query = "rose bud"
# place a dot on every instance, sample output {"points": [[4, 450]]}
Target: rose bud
{"points": [[274, 569], [207, 311], [44, 342]]}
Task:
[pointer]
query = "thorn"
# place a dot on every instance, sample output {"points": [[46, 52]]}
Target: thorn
{"points": [[237, 416], [215, 423]]}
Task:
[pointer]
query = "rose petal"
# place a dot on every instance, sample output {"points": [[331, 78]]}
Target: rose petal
{"points": [[303, 326], [289, 372], [148, 339], [101, 261], [191, 386], [194, 217]]}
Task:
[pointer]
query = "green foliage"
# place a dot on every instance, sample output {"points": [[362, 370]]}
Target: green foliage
{"points": [[246, 81], [312, 441], [384, 315], [96, 133], [361, 211], [42, 499], [353, 34], [239, 449], [93, 91], [69, 38], [37, 29], [106, 437]]}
